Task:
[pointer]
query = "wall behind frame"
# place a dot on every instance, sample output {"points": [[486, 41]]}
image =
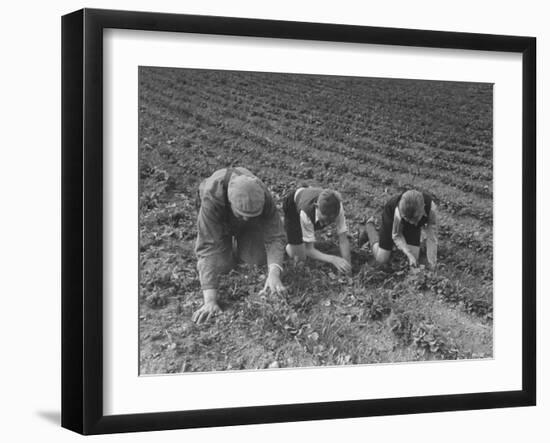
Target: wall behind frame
{"points": [[30, 222]]}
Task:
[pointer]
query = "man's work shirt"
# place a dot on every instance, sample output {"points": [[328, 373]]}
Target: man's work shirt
{"points": [[305, 199], [216, 225]]}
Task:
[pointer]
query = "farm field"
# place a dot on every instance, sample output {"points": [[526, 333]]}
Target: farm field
{"points": [[367, 138]]}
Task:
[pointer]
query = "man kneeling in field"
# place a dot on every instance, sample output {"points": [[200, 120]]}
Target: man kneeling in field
{"points": [[307, 210], [237, 220], [403, 218]]}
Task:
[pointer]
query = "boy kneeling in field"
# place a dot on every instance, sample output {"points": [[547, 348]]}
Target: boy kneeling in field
{"points": [[310, 209], [403, 218]]}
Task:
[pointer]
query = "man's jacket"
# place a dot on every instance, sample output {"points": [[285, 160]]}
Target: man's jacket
{"points": [[216, 226]]}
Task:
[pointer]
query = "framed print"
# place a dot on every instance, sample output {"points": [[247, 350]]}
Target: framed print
{"points": [[269, 221]]}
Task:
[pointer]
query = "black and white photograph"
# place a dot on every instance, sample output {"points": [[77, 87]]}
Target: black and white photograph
{"points": [[275, 221], [296, 220]]}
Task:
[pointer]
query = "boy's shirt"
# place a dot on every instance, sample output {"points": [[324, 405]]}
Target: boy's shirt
{"points": [[308, 226], [430, 228], [397, 228]]}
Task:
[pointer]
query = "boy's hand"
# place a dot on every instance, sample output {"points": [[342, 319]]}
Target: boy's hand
{"points": [[432, 268], [412, 261], [341, 264], [273, 285]]}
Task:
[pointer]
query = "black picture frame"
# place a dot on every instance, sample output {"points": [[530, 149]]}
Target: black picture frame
{"points": [[82, 218]]}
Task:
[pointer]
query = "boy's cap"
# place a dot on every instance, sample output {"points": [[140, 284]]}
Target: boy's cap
{"points": [[246, 196]]}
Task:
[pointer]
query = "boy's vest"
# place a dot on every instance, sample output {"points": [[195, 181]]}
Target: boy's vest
{"points": [[305, 201], [394, 202]]}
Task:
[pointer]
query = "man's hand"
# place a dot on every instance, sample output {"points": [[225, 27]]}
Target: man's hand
{"points": [[273, 282], [209, 309], [341, 264]]}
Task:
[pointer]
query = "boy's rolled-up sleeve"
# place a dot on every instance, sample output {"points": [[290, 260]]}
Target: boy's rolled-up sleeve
{"points": [[397, 232], [341, 225], [308, 230], [274, 234], [431, 236]]}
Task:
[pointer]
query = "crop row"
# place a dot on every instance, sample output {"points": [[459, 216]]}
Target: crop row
{"points": [[236, 128], [260, 98], [321, 163], [313, 122], [212, 103]]}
